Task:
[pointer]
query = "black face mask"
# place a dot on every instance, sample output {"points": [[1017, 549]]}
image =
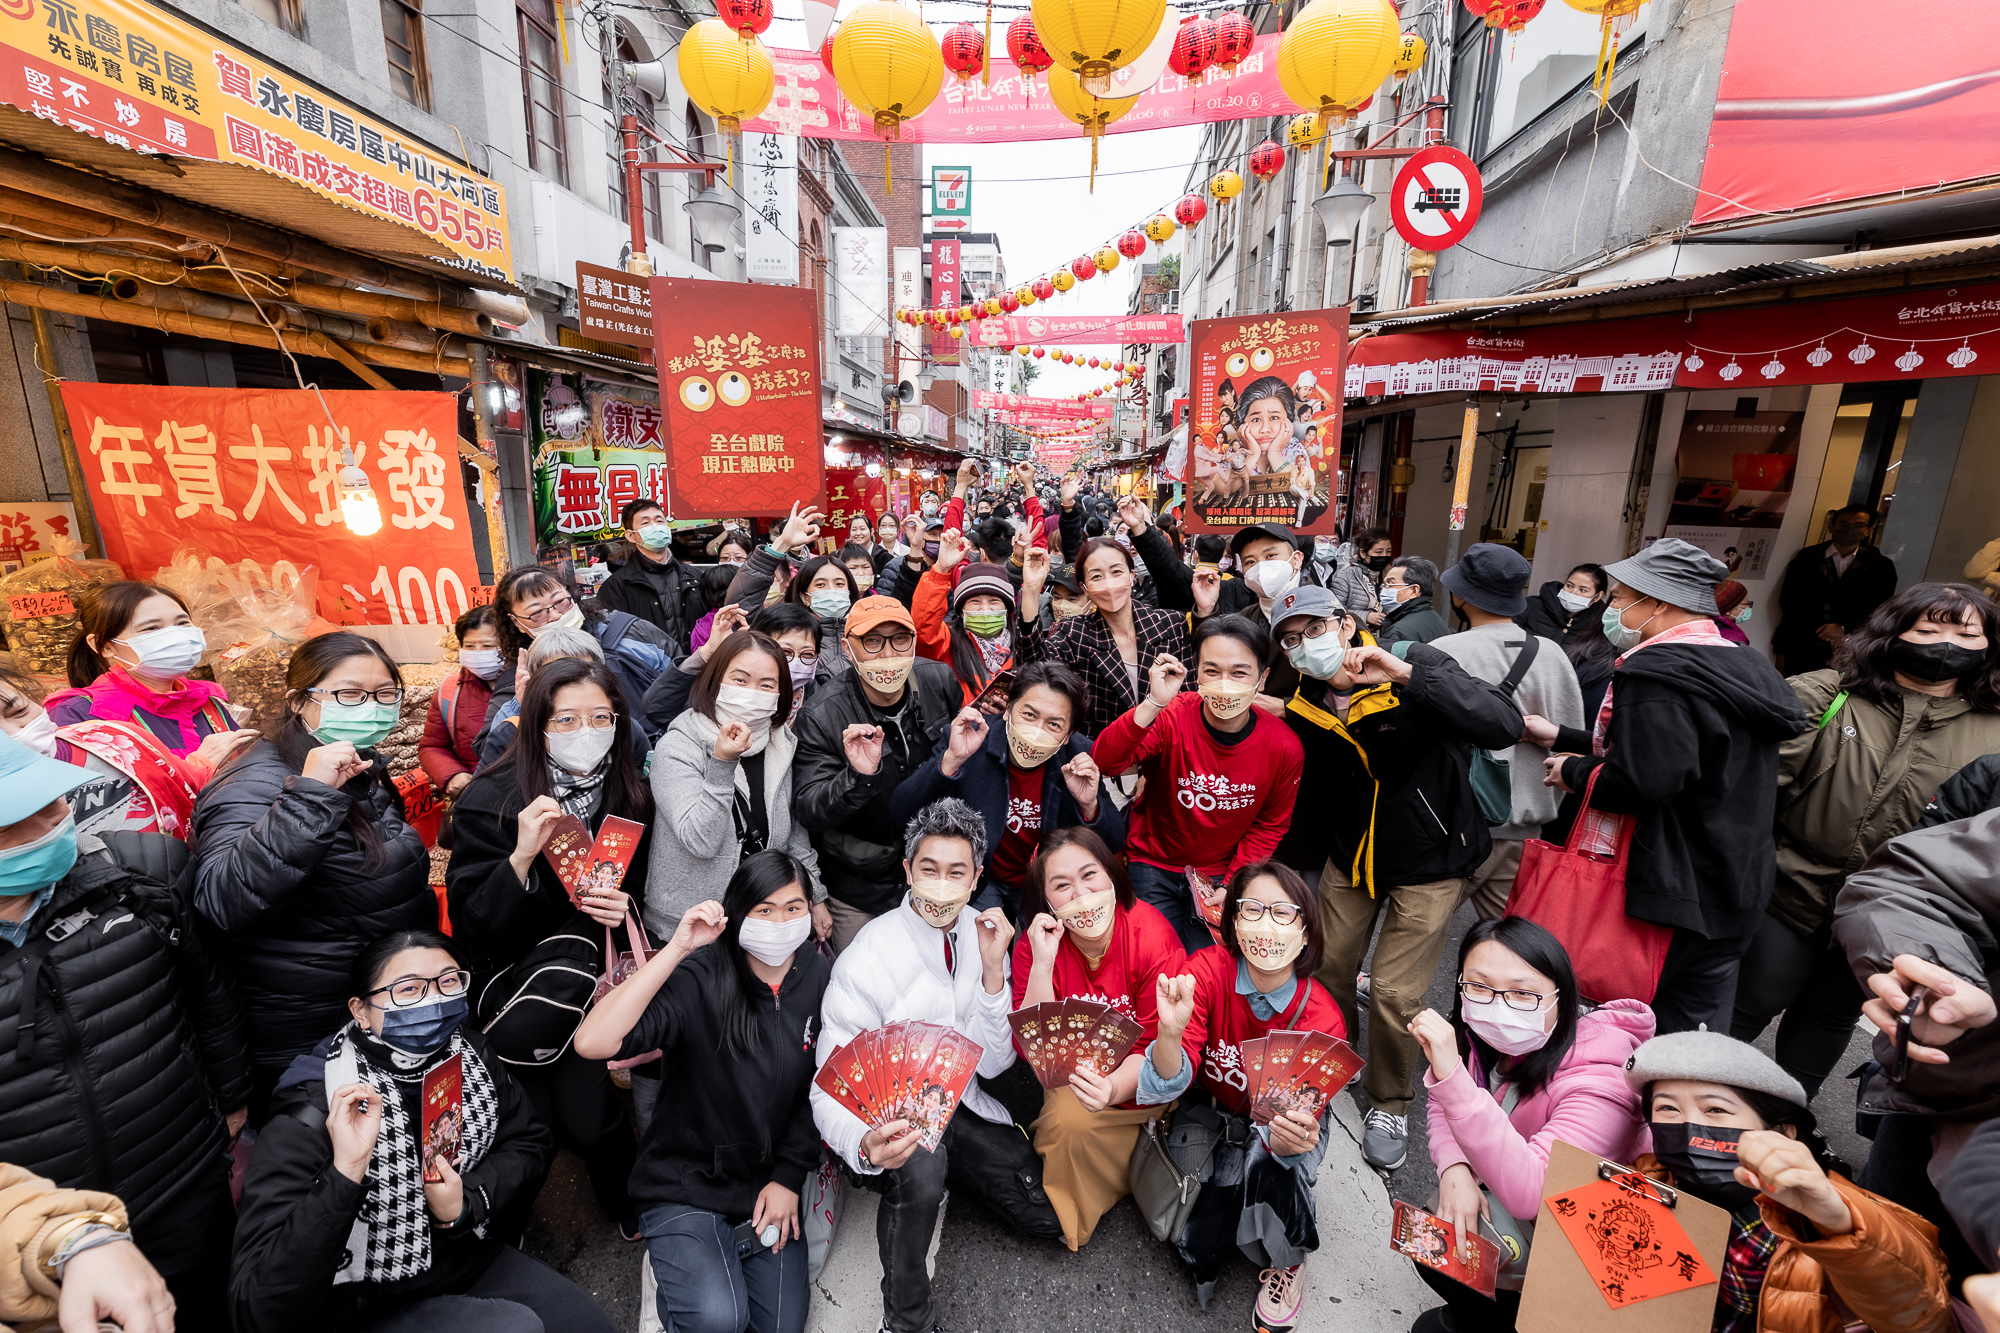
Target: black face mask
{"points": [[1378, 563], [1933, 661], [1703, 1161]]}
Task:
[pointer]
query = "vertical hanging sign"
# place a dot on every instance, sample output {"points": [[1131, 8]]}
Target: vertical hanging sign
{"points": [[944, 292], [771, 226], [861, 278]]}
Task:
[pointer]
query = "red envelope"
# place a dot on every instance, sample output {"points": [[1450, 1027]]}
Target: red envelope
{"points": [[1433, 1242]]}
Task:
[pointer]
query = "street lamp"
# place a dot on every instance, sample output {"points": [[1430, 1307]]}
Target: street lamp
{"points": [[713, 215], [1341, 209]]}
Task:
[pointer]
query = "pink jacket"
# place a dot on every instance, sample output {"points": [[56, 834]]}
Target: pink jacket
{"points": [[1586, 1103], [180, 719]]}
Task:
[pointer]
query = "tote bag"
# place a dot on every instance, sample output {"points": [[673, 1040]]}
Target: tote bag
{"points": [[1579, 897]]}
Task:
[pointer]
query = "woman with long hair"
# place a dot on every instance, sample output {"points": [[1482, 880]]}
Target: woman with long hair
{"points": [[1110, 650], [1518, 1065], [1913, 697], [731, 1003], [358, 1214], [301, 852], [825, 586], [572, 755]]}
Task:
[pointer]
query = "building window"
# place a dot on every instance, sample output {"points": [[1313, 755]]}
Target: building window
{"points": [[284, 14], [542, 90], [1504, 82], [403, 43], [696, 146], [642, 104]]}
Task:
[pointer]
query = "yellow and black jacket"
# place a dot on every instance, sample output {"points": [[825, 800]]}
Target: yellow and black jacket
{"points": [[1385, 795]]}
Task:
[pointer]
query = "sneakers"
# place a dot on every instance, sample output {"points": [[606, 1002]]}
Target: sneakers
{"points": [[1385, 1140], [1278, 1300]]}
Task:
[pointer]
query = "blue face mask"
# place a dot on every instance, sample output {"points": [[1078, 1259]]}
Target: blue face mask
{"points": [[1622, 636], [33, 866], [830, 603], [423, 1028]]}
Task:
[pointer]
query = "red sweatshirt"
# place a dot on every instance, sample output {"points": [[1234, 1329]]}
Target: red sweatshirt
{"points": [[1211, 806], [1223, 1021], [1143, 949]]}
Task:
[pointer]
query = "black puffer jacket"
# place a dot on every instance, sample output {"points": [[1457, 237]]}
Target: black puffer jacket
{"points": [[1547, 616], [665, 594], [283, 880], [121, 1042], [1973, 790]]}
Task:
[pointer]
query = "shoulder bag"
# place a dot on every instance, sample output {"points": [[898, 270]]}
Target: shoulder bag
{"points": [[1492, 775], [1170, 1162]]}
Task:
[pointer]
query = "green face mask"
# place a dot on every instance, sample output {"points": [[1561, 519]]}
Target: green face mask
{"points": [[986, 624], [360, 725]]}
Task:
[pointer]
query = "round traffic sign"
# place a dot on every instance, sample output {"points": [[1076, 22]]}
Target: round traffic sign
{"points": [[1436, 198]]}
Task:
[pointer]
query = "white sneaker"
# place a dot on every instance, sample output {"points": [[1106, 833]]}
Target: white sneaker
{"points": [[1280, 1298]]}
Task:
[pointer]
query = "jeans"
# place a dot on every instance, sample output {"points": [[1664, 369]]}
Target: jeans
{"points": [[1168, 890], [515, 1294], [1000, 894], [994, 1162], [1698, 982], [705, 1288], [1809, 981]]}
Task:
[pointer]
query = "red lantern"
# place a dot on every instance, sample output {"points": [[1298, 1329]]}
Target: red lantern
{"points": [[1007, 348], [746, 17], [1025, 49], [1513, 15], [1084, 267], [1132, 244], [1042, 288], [1190, 210], [1233, 39], [826, 50], [1266, 160], [1009, 303], [1041, 352], [1194, 47], [1092, 363], [964, 51]]}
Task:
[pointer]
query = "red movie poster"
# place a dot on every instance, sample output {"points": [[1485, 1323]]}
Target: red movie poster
{"points": [[739, 387]]}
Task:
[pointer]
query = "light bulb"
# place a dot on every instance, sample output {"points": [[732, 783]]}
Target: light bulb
{"points": [[358, 506]]}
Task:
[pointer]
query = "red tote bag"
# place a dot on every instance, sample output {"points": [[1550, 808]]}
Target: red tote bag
{"points": [[1579, 897]]}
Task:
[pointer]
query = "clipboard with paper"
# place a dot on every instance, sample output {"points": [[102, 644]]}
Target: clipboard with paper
{"points": [[1616, 1251]]}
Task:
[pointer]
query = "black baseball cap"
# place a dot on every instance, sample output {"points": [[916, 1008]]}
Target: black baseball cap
{"points": [[1274, 531]]}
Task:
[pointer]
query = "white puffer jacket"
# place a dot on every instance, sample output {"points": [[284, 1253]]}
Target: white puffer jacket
{"points": [[894, 970]]}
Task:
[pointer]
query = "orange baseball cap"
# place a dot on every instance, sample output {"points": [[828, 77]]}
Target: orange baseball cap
{"points": [[874, 611]]}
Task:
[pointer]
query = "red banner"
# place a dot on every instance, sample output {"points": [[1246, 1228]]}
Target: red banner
{"points": [[739, 385], [1821, 100], [253, 474], [1053, 330], [808, 102], [987, 401], [1623, 355], [944, 292], [1266, 441], [850, 491]]}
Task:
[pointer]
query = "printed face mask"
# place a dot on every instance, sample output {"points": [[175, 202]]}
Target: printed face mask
{"points": [[886, 674], [173, 651], [1703, 1160], [582, 750], [1031, 749], [481, 662], [1089, 915], [753, 708], [1508, 1031], [772, 942], [1226, 698], [938, 901], [1572, 602], [1268, 946], [360, 725]]}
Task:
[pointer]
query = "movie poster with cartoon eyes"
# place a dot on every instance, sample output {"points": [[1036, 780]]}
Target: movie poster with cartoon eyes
{"points": [[739, 385], [1264, 421]]}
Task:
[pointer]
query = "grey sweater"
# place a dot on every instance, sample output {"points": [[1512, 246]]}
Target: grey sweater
{"points": [[1549, 688]]}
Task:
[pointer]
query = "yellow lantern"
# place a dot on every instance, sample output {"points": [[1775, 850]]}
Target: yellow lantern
{"points": [[1066, 91], [1090, 38], [1225, 185], [1025, 295], [1336, 54], [1159, 228], [992, 305], [888, 64], [1063, 279], [1106, 258], [727, 77], [1304, 130], [955, 331], [1409, 56], [1614, 16]]}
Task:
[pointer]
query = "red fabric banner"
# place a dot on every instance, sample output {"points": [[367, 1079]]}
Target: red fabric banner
{"points": [[1620, 355], [253, 474], [944, 292], [1053, 330], [986, 400], [808, 102], [851, 491], [739, 385]]}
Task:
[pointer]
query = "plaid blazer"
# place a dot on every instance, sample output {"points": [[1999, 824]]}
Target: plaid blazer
{"points": [[1084, 645]]}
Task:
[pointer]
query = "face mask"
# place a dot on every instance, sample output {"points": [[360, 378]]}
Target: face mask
{"points": [[1933, 661], [1226, 699], [937, 901], [802, 675], [772, 942], [1324, 552], [1508, 1031], [173, 651], [481, 662], [1572, 602], [360, 725], [1389, 597], [1268, 946], [582, 750], [1069, 610], [656, 537], [830, 603], [929, 505], [423, 1028], [1623, 638], [1318, 658], [886, 674], [1089, 915], [570, 619], [986, 624], [33, 866], [39, 735], [1743, 615], [740, 703], [1703, 1160], [1378, 563], [1030, 749], [1273, 577]]}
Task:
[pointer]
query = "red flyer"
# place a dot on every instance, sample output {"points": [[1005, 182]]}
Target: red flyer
{"points": [[568, 853], [444, 1116], [611, 854], [1433, 1242]]}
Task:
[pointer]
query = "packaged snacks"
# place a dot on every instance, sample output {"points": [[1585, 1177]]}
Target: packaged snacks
{"points": [[42, 599]]}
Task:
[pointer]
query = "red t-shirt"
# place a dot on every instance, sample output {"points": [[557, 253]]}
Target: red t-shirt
{"points": [[1211, 806], [1223, 1021], [1009, 862], [1143, 949]]}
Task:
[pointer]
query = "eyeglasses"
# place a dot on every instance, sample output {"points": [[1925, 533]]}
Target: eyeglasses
{"points": [[1284, 914], [388, 694], [1525, 1000], [806, 657], [1293, 638], [901, 641], [553, 611], [412, 990], [565, 723]]}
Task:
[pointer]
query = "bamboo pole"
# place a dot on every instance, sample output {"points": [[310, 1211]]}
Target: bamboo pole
{"points": [[79, 489]]}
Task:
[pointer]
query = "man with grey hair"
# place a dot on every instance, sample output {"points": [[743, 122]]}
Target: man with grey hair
{"points": [[1407, 613], [932, 961]]}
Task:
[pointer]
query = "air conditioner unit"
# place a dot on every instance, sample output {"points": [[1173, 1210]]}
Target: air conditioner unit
{"points": [[1171, 305]]}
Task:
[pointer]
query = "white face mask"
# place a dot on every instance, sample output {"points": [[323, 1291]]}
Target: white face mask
{"points": [[772, 942], [1508, 1031], [1089, 915], [1273, 578], [753, 708], [481, 662], [1572, 602], [173, 651], [40, 734], [570, 619], [939, 901], [1390, 596], [582, 750]]}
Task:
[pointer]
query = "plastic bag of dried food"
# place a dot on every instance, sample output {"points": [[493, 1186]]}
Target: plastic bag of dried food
{"points": [[41, 604], [196, 577], [268, 613]]}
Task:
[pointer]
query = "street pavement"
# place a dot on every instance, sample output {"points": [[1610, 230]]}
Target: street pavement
{"points": [[986, 1279]]}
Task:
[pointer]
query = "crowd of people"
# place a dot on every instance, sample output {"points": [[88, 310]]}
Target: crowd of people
{"points": [[1027, 745]]}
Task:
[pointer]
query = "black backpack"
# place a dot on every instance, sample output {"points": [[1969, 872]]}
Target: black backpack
{"points": [[529, 1010]]}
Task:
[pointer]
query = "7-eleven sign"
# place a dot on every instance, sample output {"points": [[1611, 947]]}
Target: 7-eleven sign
{"points": [[951, 192]]}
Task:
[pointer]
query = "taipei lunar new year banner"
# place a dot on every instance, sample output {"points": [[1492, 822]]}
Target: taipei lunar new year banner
{"points": [[597, 449], [739, 381], [1265, 445], [253, 474]]}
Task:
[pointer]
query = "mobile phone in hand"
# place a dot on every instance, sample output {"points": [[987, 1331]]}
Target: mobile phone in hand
{"points": [[993, 698]]}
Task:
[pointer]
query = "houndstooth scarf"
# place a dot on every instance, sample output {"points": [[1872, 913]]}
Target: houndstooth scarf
{"points": [[391, 1239]]}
